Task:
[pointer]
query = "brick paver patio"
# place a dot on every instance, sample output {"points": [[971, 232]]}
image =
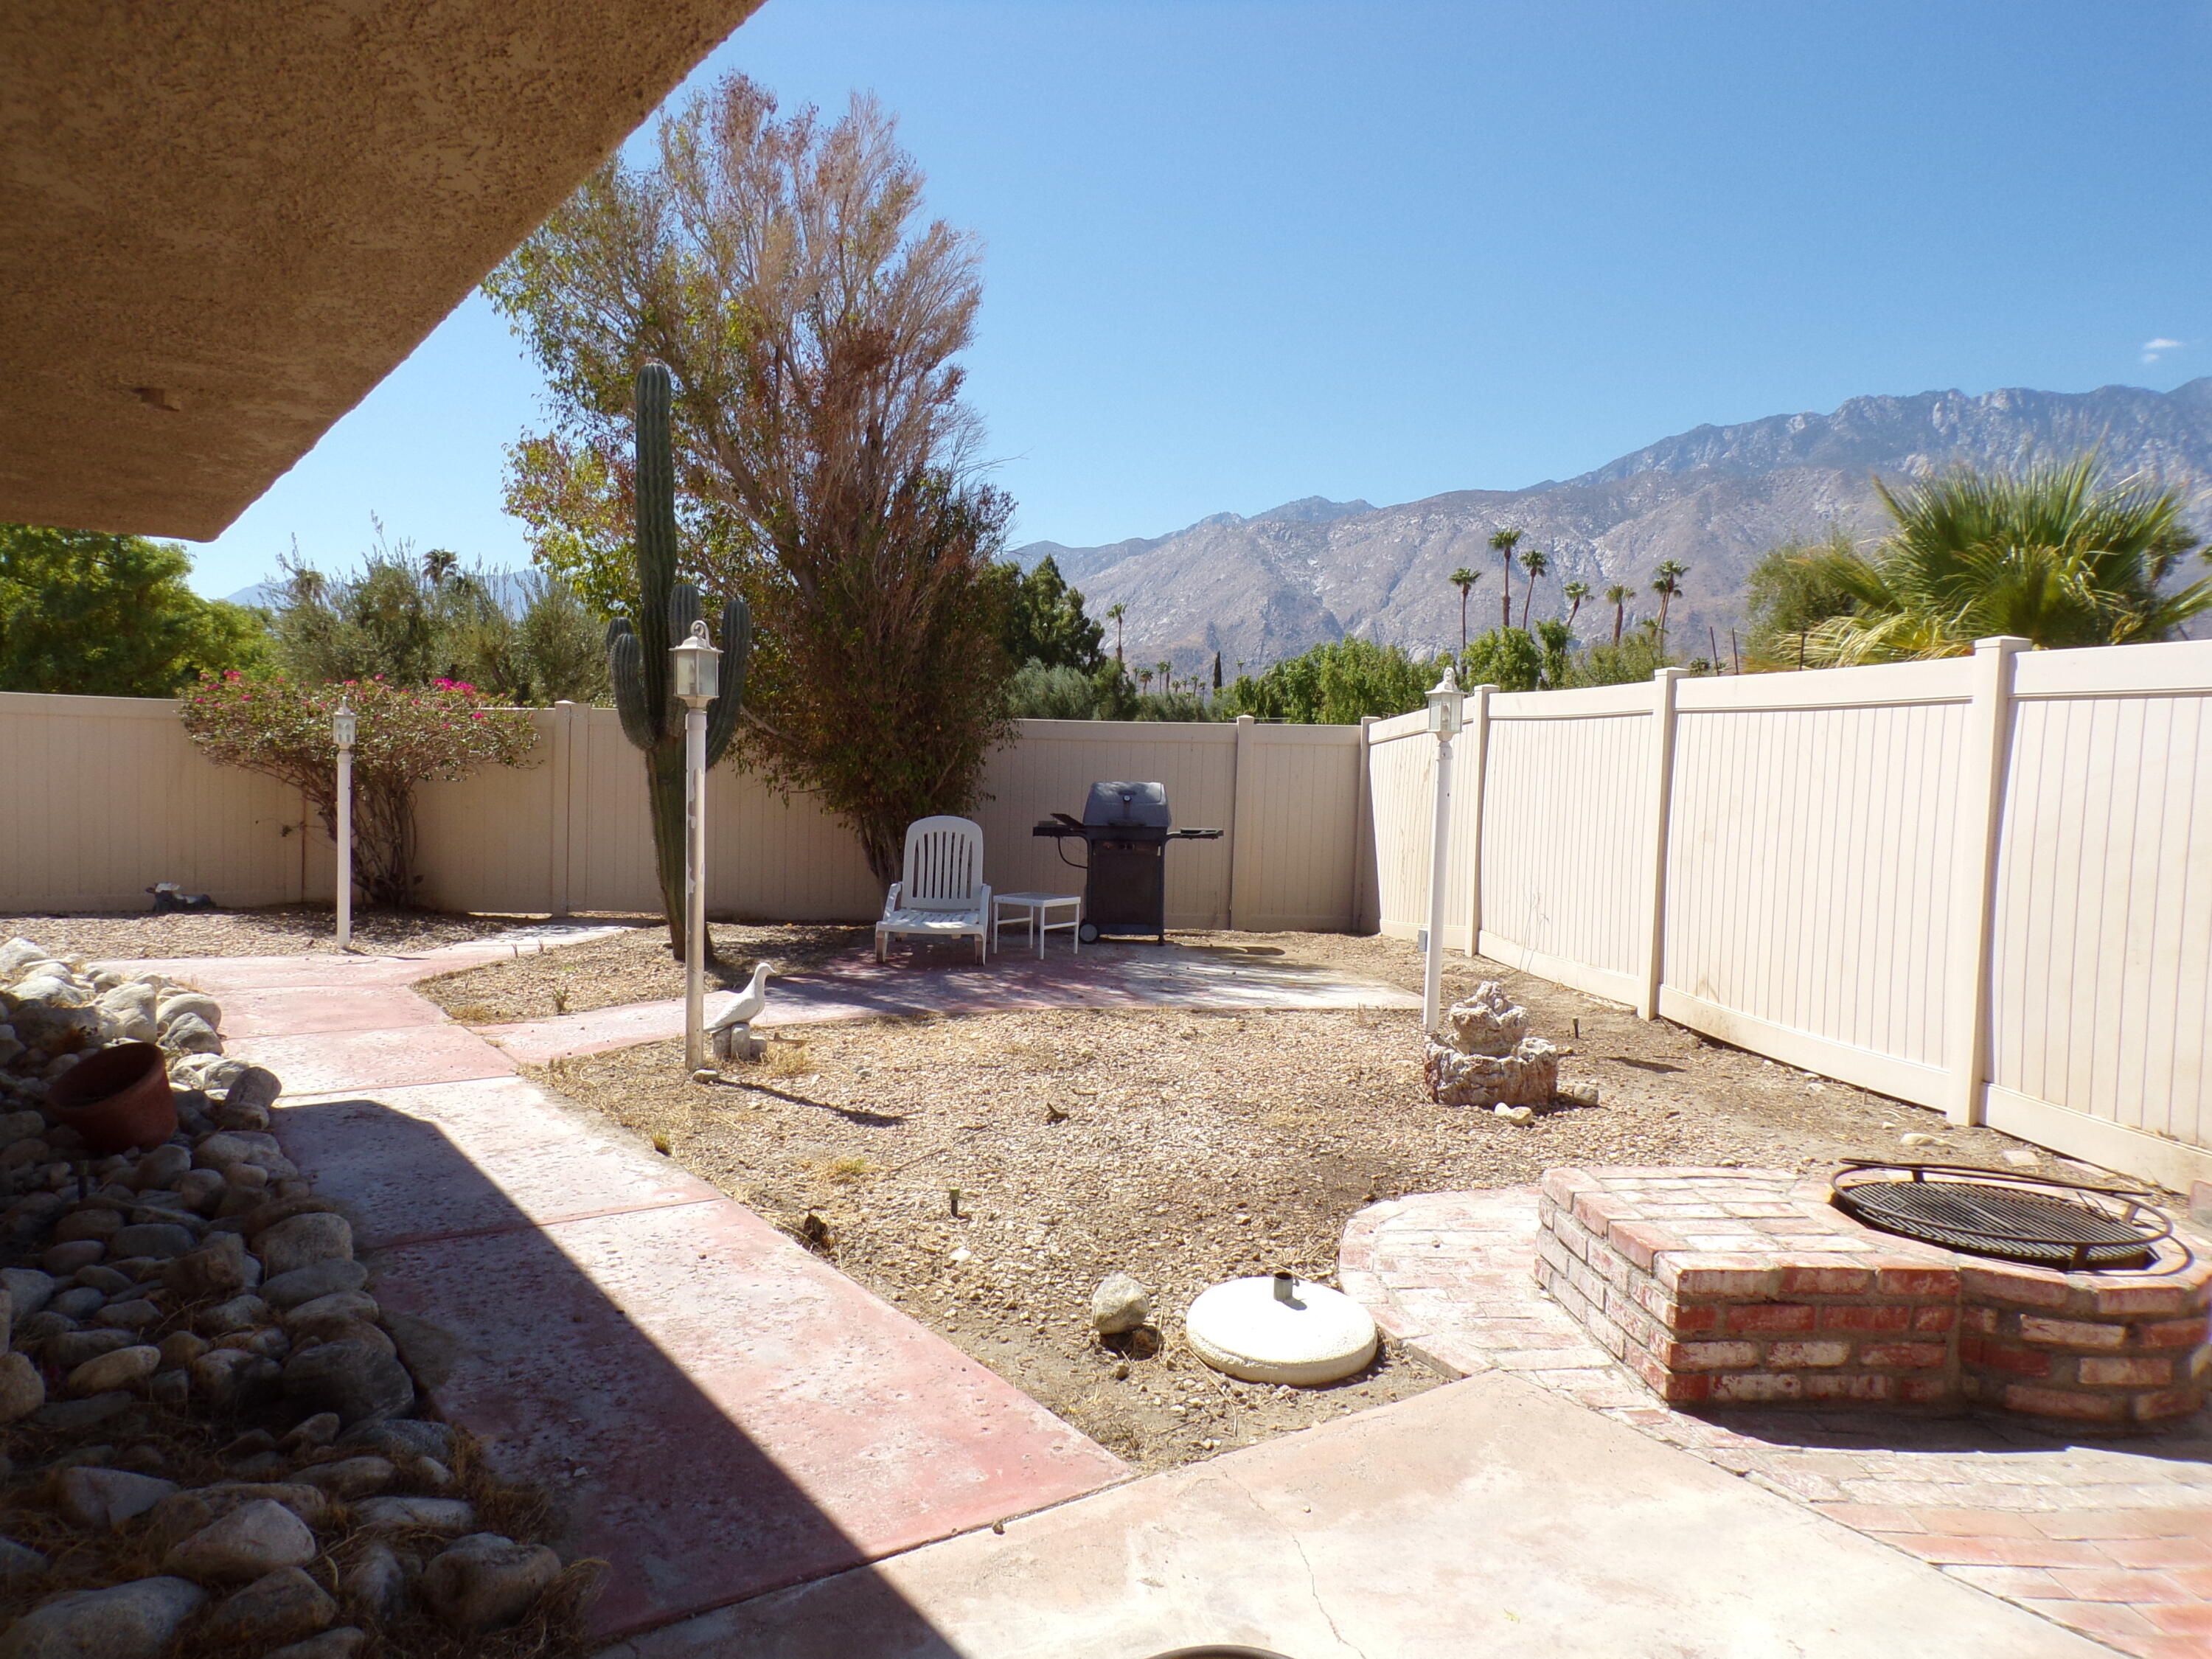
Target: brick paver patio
{"points": [[2112, 1538]]}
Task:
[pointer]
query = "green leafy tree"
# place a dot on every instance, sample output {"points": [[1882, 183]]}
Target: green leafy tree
{"points": [[823, 455], [2052, 554], [1787, 594], [1620, 663], [416, 620], [1502, 543], [1506, 658], [1333, 684], [101, 616], [1043, 619], [1464, 579], [1556, 642], [407, 735]]}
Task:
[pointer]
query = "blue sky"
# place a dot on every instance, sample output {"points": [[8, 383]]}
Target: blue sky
{"points": [[1238, 252]]}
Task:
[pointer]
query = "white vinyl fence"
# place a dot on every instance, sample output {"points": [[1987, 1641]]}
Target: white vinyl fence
{"points": [[1982, 884]]}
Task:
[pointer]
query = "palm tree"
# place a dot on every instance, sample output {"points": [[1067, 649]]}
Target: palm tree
{"points": [[1535, 564], [1145, 678], [1617, 596], [438, 564], [1502, 543], [1666, 582], [1115, 613], [2053, 555], [1576, 593], [1463, 579]]}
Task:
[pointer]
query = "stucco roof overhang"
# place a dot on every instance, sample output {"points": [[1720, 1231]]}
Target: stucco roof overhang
{"points": [[222, 222]]}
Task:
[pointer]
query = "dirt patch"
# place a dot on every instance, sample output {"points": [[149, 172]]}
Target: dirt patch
{"points": [[633, 966], [285, 930], [1184, 1148]]}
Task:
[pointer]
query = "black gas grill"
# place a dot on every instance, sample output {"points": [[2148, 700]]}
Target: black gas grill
{"points": [[1125, 887]]}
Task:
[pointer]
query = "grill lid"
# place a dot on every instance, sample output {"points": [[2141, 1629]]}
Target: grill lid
{"points": [[2031, 1219], [1127, 805]]}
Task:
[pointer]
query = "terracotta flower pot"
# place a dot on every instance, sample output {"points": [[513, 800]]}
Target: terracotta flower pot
{"points": [[117, 1099]]}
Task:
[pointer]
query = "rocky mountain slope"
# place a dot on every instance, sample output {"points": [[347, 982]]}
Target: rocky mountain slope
{"points": [[1267, 587]]}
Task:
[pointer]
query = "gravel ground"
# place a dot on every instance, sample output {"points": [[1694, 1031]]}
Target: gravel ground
{"points": [[634, 966], [1184, 1148], [281, 930]]}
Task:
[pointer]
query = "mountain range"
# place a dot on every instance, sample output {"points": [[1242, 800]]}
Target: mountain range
{"points": [[1260, 588]]}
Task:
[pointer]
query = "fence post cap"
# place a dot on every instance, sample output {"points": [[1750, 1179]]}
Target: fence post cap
{"points": [[2004, 642]]}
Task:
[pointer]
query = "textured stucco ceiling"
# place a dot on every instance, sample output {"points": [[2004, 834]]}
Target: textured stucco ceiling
{"points": [[222, 222]]}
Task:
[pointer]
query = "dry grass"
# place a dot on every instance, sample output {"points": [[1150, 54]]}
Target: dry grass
{"points": [[1185, 1147], [633, 966], [279, 930]]}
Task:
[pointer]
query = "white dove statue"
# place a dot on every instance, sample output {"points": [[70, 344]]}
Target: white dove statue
{"points": [[732, 1033]]}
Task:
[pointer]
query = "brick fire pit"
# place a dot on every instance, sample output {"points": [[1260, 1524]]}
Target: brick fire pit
{"points": [[1747, 1286]]}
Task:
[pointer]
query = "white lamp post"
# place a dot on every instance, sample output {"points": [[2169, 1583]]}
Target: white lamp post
{"points": [[1447, 713], [344, 727], [698, 674]]}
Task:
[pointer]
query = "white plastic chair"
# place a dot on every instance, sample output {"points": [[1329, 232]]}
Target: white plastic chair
{"points": [[943, 894]]}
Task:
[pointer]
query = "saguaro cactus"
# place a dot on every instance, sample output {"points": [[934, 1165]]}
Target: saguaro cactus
{"points": [[651, 718]]}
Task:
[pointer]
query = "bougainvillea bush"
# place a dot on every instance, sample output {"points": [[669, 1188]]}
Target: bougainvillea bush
{"points": [[404, 736]]}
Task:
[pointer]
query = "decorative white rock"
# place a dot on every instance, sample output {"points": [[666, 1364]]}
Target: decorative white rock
{"points": [[1280, 1329]]}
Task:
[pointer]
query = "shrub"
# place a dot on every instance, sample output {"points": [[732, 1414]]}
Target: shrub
{"points": [[282, 729]]}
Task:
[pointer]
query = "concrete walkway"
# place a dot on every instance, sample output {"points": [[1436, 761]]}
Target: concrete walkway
{"points": [[721, 1412], [1486, 1518], [1108, 974], [2111, 1537]]}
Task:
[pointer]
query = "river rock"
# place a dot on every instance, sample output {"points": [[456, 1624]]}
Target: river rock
{"points": [[1120, 1303], [92, 1221], [429, 1514], [343, 1642], [72, 1348], [256, 1538], [353, 1379], [22, 1390], [134, 1314], [278, 1606], [402, 1437], [304, 1240], [123, 1369], [318, 1280], [162, 1168], [180, 1003], [349, 1478], [486, 1582], [181, 1514], [63, 1260], [234, 1380], [161, 1240], [28, 1290], [218, 1268], [188, 1034], [241, 1313], [201, 1191], [106, 1498], [335, 1308], [128, 1013], [374, 1582], [135, 1620], [20, 1563]]}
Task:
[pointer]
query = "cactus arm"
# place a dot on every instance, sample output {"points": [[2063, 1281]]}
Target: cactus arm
{"points": [[737, 651], [626, 665]]}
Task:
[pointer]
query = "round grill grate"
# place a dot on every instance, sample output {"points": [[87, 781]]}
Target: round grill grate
{"points": [[2048, 1224]]}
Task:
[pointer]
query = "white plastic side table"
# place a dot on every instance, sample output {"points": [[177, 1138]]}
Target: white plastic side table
{"points": [[1035, 911]]}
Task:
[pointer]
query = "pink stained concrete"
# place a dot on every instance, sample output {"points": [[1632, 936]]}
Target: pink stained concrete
{"points": [[530, 1161], [1111, 975], [1485, 1520], [308, 1010], [744, 1416], [328, 1062], [722, 1413]]}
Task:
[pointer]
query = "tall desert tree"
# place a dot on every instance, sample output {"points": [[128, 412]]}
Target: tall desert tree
{"points": [[1535, 562], [1464, 579], [1502, 543], [2053, 554], [1575, 593], [1114, 612], [825, 459], [1617, 596], [1666, 582]]}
